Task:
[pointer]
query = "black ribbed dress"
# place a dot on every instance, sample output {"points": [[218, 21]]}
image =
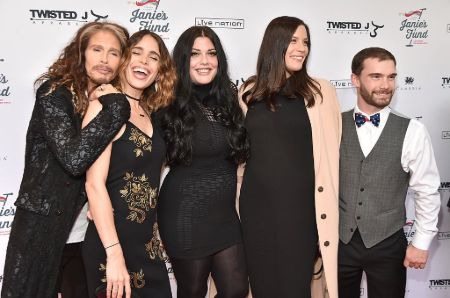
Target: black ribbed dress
{"points": [[277, 200], [196, 212]]}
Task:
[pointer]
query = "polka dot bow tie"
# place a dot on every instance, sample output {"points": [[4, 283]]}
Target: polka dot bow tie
{"points": [[360, 119]]}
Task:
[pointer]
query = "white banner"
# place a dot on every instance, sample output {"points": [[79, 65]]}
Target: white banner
{"points": [[416, 32]]}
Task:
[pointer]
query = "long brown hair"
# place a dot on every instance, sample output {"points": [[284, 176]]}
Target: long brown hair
{"points": [[69, 70], [270, 75], [161, 92]]}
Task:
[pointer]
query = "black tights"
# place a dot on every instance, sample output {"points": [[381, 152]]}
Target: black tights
{"points": [[228, 270]]}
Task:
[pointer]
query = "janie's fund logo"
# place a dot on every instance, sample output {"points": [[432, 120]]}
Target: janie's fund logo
{"points": [[415, 27], [6, 214], [5, 90], [148, 15], [409, 229]]}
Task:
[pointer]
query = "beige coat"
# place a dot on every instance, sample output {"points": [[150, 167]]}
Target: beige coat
{"points": [[325, 118], [326, 126]]}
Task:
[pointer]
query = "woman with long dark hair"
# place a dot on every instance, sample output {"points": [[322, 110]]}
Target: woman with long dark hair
{"points": [[289, 199], [121, 248], [206, 141]]}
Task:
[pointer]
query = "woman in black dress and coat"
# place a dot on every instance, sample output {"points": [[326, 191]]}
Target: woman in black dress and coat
{"points": [[289, 200]]}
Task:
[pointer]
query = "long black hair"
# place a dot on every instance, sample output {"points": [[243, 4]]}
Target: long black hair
{"points": [[178, 122]]}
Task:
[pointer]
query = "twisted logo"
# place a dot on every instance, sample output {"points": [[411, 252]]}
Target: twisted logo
{"points": [[60, 16], [439, 283], [354, 27]]}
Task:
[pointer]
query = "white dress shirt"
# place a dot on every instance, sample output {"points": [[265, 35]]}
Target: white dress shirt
{"points": [[417, 160], [79, 227]]}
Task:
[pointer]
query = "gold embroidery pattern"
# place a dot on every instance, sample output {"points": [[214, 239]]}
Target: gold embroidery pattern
{"points": [[154, 248], [141, 141], [136, 278], [102, 268], [139, 195]]}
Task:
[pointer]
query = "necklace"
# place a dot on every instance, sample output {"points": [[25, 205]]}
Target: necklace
{"points": [[136, 99], [133, 98]]}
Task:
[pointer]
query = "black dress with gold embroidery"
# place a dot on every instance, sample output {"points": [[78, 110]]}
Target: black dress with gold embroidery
{"points": [[132, 184]]}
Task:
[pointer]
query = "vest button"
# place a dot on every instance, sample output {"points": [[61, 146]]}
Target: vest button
{"points": [[326, 243], [361, 189], [358, 217], [323, 216], [58, 212], [351, 230], [359, 203], [320, 188]]}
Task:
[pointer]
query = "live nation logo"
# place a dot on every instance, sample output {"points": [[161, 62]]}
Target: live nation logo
{"points": [[409, 84], [342, 84], [415, 27], [445, 82], [148, 15], [226, 23], [5, 90], [60, 17], [353, 28], [7, 212]]}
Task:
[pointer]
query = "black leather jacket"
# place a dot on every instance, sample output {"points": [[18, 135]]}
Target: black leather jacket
{"points": [[58, 152]]}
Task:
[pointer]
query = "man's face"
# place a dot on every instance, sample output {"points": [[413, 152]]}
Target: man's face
{"points": [[375, 85], [102, 57]]}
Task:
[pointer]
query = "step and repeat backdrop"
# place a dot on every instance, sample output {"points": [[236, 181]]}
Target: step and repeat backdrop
{"points": [[417, 32]]}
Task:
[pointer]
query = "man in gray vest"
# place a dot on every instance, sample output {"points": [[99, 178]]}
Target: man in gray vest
{"points": [[382, 154]]}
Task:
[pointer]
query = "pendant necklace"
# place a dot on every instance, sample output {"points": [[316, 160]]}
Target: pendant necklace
{"points": [[136, 99]]}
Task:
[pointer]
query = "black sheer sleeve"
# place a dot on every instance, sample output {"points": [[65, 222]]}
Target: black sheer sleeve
{"points": [[74, 149]]}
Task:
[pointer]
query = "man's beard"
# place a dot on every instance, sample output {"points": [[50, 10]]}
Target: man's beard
{"points": [[102, 79], [369, 98]]}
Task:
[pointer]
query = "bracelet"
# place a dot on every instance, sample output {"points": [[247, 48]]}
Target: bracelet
{"points": [[112, 245]]}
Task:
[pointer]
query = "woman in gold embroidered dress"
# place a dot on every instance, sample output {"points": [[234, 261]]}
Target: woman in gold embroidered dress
{"points": [[121, 249]]}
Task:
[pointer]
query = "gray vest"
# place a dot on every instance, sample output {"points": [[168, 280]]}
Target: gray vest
{"points": [[372, 189]]}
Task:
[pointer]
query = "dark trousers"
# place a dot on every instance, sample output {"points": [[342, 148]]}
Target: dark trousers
{"points": [[72, 277], [382, 263]]}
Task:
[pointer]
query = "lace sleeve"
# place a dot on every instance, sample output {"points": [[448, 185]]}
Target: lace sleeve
{"points": [[76, 149]]}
